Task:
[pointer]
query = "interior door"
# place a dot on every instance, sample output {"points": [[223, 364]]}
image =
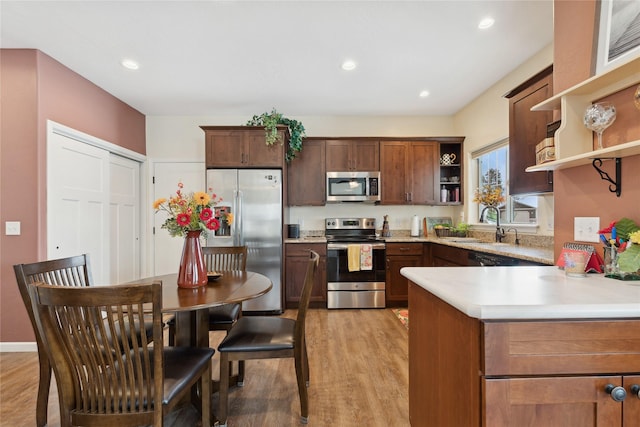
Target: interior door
{"points": [[167, 250], [78, 202], [124, 217]]}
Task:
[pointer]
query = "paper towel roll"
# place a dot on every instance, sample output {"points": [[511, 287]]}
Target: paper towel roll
{"points": [[415, 226]]}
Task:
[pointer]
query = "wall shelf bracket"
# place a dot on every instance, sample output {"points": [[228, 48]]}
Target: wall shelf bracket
{"points": [[615, 186]]}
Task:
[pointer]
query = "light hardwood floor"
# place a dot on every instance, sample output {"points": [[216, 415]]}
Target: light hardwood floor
{"points": [[358, 366]]}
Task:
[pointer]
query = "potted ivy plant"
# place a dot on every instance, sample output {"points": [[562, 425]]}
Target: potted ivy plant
{"points": [[270, 121]]}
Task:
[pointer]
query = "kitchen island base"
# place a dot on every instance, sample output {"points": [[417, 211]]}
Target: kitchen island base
{"points": [[465, 371]]}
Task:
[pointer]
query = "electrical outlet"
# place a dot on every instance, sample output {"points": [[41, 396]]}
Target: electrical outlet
{"points": [[585, 229], [12, 228]]}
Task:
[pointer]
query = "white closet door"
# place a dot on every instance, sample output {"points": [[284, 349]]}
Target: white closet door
{"points": [[78, 202], [168, 250], [124, 217]]}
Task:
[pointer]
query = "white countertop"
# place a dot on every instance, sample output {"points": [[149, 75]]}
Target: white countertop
{"points": [[528, 292]]}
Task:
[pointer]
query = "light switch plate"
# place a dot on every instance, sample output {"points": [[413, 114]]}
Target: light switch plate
{"points": [[12, 228], [585, 229]]}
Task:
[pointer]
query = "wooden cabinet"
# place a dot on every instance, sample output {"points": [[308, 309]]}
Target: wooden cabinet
{"points": [[242, 147], [352, 155], [407, 172], [448, 256], [526, 129], [515, 373], [306, 176], [400, 255], [296, 259]]}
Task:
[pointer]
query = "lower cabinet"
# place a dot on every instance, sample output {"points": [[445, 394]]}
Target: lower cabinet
{"points": [[296, 258], [448, 256], [400, 255], [551, 373]]}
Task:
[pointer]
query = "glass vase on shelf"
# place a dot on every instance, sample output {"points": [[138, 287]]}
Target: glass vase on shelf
{"points": [[598, 117]]}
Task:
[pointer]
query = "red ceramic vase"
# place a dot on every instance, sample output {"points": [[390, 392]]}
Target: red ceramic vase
{"points": [[193, 271]]}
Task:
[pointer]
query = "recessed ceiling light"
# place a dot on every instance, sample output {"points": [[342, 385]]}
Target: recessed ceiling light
{"points": [[424, 94], [130, 64], [348, 65], [486, 23]]}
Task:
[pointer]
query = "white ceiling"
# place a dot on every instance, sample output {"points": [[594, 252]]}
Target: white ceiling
{"points": [[243, 57]]}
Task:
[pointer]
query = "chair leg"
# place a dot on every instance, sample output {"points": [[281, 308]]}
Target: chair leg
{"points": [[240, 373], [43, 390], [224, 389], [205, 387], [302, 386], [172, 334], [306, 364]]}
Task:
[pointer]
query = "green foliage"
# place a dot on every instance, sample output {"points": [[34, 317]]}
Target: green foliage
{"points": [[270, 121], [624, 227], [629, 260]]}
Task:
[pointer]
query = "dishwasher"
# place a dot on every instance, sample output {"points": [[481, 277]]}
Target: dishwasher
{"points": [[489, 260]]}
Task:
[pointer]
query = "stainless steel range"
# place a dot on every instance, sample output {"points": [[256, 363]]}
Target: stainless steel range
{"points": [[355, 264]]}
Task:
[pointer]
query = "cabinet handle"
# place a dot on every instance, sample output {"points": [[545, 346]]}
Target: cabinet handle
{"points": [[617, 393], [635, 389]]}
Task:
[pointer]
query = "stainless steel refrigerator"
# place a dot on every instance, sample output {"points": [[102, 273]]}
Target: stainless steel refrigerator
{"points": [[254, 197]]}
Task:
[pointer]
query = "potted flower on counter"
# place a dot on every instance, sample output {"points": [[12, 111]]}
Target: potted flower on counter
{"points": [[622, 249]]}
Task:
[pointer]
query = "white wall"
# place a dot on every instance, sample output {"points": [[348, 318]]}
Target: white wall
{"points": [[483, 121]]}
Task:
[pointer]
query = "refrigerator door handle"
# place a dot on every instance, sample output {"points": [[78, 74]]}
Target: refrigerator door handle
{"points": [[238, 239]]}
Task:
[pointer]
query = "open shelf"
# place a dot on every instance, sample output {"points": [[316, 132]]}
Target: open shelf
{"points": [[573, 141]]}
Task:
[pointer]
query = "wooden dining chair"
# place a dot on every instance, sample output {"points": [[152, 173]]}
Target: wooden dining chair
{"points": [[129, 381], [72, 271], [263, 337]]}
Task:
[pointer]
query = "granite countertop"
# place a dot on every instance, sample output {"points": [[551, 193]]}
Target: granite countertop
{"points": [[530, 253], [528, 292]]}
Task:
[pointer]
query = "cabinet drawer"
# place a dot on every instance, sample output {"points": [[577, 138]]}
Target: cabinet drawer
{"points": [[561, 347], [404, 248], [457, 256], [302, 249]]}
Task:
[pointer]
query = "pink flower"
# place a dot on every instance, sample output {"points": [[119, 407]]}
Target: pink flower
{"points": [[213, 224], [206, 214], [183, 219]]}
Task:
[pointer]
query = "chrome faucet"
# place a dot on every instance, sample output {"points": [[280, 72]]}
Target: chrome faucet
{"points": [[517, 241], [500, 234]]}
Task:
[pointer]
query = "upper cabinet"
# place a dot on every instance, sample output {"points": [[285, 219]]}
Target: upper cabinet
{"points": [[242, 147], [410, 172], [573, 141], [526, 130], [306, 184], [352, 155], [450, 173]]}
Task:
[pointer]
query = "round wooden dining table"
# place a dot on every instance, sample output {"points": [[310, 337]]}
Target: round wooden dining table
{"points": [[191, 306]]}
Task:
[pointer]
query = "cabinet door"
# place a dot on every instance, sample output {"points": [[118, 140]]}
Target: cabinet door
{"points": [[397, 286], [306, 176], [526, 129], [631, 409], [259, 154], [338, 156], [423, 159], [224, 149], [394, 173], [365, 156], [296, 259], [551, 402]]}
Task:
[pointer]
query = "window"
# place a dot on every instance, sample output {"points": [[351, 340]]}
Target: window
{"points": [[493, 170]]}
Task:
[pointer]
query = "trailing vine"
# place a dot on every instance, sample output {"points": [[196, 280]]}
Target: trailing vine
{"points": [[270, 121]]}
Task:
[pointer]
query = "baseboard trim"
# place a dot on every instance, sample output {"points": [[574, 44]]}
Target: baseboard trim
{"points": [[18, 347]]}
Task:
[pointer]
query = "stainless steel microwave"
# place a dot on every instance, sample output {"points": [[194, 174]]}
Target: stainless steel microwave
{"points": [[353, 187]]}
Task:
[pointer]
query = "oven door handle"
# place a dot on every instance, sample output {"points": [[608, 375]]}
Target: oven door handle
{"points": [[345, 245]]}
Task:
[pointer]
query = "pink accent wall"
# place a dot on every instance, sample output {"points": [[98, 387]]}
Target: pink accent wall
{"points": [[36, 88], [580, 191]]}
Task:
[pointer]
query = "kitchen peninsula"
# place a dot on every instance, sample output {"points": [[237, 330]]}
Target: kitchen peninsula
{"points": [[506, 346]]}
